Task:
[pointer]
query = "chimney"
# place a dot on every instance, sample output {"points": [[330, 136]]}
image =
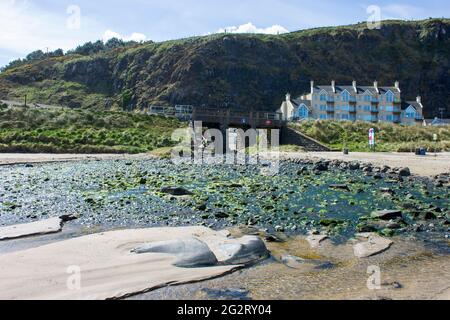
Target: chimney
{"points": [[312, 87], [333, 86], [397, 86], [354, 87], [375, 84], [288, 97], [419, 99]]}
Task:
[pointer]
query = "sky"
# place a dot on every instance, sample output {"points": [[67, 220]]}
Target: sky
{"points": [[28, 25]]}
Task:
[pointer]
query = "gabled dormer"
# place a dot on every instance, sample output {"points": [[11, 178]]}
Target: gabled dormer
{"points": [[345, 95], [390, 96]]}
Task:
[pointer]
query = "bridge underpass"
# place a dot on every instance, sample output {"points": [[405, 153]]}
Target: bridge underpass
{"points": [[224, 119]]}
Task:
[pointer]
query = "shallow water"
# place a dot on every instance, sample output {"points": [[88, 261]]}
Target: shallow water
{"points": [[117, 193]]}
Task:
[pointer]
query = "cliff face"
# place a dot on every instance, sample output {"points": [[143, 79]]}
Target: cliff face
{"points": [[245, 71]]}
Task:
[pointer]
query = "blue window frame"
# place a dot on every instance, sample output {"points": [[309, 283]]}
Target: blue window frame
{"points": [[389, 96], [345, 96]]}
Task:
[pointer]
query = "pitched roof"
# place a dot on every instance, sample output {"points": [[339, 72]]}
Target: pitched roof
{"points": [[415, 104], [298, 102], [351, 90]]}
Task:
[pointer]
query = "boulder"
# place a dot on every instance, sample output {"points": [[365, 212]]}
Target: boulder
{"points": [[245, 250], [343, 187], [320, 166], [176, 191], [375, 245], [386, 214], [354, 166], [404, 172], [189, 253]]}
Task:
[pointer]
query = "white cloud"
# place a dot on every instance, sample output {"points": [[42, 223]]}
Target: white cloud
{"points": [[251, 28], [24, 27], [138, 37]]}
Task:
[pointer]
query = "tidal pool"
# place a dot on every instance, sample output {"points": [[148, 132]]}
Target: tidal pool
{"points": [[119, 194]]}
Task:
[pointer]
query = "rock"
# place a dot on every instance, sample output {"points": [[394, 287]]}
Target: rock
{"points": [[320, 166], [340, 187], [29, 165], [315, 240], [246, 250], [42, 227], [392, 285], [354, 166], [330, 222], [386, 214], [373, 246], [221, 215], [385, 169], [404, 172], [176, 191], [190, 253], [201, 207], [273, 238], [68, 217]]}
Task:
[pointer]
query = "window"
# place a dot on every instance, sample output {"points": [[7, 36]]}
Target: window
{"points": [[302, 112], [410, 113], [389, 96], [344, 116], [390, 108], [367, 98], [323, 97], [366, 108], [345, 96], [390, 118], [345, 108], [323, 117], [323, 107]]}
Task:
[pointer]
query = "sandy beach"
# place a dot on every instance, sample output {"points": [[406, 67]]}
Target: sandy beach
{"points": [[429, 165]]}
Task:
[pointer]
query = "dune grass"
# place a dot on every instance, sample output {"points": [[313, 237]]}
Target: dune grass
{"points": [[389, 137], [82, 131]]}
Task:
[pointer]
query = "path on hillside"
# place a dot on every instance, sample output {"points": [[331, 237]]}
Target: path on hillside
{"points": [[29, 104]]}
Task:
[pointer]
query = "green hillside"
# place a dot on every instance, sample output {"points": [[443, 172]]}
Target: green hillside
{"points": [[241, 71]]}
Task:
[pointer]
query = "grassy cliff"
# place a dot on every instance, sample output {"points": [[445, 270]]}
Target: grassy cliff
{"points": [[242, 71]]}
